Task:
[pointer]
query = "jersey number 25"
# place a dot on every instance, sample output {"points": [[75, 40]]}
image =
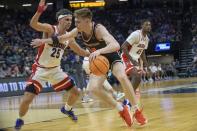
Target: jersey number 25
{"points": [[55, 52]]}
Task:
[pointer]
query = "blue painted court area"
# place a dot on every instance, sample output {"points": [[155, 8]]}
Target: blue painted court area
{"points": [[189, 88]]}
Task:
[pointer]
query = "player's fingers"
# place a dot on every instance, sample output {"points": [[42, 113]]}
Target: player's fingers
{"points": [[42, 2]]}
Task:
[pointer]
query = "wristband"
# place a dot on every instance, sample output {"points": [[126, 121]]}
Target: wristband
{"points": [[41, 9]]}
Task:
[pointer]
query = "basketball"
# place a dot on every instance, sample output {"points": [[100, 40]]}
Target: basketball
{"points": [[99, 66]]}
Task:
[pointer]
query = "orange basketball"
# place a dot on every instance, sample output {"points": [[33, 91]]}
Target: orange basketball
{"points": [[99, 66]]}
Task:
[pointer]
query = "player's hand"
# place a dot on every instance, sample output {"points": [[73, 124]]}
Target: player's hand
{"points": [[94, 54], [36, 43], [42, 6]]}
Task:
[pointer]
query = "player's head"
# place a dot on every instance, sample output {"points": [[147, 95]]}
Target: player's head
{"points": [[146, 26], [82, 18], [64, 18]]}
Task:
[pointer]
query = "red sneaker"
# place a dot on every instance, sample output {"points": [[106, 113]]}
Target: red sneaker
{"points": [[125, 114], [141, 120]]}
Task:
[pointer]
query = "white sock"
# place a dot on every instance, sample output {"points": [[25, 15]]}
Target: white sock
{"points": [[119, 107], [67, 107]]}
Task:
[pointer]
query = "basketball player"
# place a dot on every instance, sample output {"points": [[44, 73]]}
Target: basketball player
{"points": [[133, 55], [47, 64], [100, 42]]}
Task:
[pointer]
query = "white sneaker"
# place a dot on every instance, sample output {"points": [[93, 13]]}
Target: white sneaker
{"points": [[86, 99]]}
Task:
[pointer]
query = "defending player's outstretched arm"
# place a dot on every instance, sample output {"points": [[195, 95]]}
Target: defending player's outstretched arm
{"points": [[55, 39], [35, 24]]}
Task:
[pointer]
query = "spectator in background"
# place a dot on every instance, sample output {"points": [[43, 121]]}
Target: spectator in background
{"points": [[153, 70]]}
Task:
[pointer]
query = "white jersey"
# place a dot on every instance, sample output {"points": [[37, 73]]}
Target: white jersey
{"points": [[50, 55], [138, 44]]}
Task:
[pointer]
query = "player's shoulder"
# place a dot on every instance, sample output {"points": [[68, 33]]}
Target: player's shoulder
{"points": [[135, 33]]}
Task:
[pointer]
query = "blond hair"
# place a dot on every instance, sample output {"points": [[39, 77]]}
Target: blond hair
{"points": [[84, 13]]}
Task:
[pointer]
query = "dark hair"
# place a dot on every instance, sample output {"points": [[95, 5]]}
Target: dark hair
{"points": [[84, 13], [63, 12], [145, 20]]}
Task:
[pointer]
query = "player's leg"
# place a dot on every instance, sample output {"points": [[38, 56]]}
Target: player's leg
{"points": [[96, 88], [33, 87], [86, 95], [114, 93], [31, 91], [119, 72], [136, 80], [61, 81]]}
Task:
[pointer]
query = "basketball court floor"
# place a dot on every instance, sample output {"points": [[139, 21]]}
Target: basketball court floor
{"points": [[168, 105]]}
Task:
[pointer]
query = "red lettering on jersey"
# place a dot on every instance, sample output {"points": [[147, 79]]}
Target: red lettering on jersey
{"points": [[141, 45]]}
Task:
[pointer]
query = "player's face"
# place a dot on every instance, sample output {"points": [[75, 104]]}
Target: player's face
{"points": [[66, 22], [81, 23], [146, 26]]}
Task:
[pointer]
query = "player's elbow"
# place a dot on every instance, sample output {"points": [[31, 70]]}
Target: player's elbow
{"points": [[32, 24]]}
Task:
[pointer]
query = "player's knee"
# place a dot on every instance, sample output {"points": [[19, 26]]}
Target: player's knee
{"points": [[31, 89], [75, 91]]}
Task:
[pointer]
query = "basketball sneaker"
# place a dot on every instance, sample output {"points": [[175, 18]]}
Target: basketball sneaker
{"points": [[141, 120], [19, 124], [69, 113], [125, 114]]}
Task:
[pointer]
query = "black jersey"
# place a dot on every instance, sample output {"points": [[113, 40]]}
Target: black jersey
{"points": [[92, 43]]}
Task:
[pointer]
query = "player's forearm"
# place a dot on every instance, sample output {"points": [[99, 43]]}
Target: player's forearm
{"points": [[47, 41], [144, 60], [34, 21], [83, 53], [109, 48], [141, 63]]}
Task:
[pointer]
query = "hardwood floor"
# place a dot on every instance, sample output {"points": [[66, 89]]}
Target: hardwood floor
{"points": [[166, 106]]}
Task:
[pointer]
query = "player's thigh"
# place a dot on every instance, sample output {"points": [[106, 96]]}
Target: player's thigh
{"points": [[118, 69]]}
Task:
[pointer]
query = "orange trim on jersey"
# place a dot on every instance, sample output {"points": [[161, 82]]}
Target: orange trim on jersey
{"points": [[40, 50], [61, 82], [128, 69], [64, 86], [36, 84]]}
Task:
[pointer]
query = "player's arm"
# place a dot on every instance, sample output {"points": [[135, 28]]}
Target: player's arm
{"points": [[55, 39], [35, 24], [125, 47], [143, 60], [77, 49], [103, 34], [112, 44]]}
